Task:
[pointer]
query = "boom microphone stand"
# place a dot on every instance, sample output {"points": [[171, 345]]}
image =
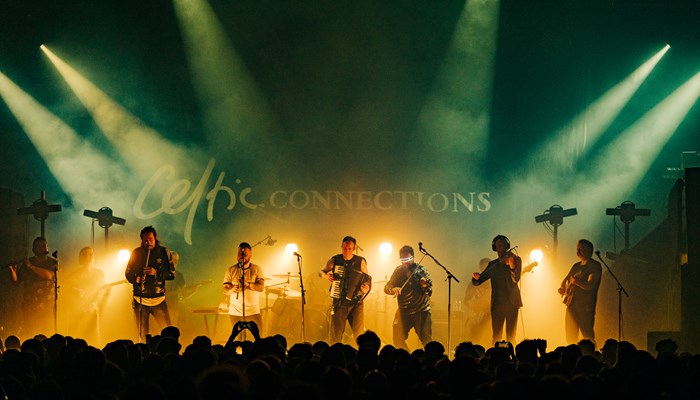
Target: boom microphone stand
{"points": [[303, 297], [620, 290], [449, 278], [55, 293]]}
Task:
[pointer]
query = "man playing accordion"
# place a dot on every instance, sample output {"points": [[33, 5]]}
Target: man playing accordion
{"points": [[347, 302]]}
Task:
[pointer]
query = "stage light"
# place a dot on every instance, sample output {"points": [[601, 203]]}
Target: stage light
{"points": [[386, 248], [124, 255], [290, 249], [536, 255]]}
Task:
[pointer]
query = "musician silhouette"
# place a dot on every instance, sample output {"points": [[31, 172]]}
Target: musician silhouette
{"points": [[410, 283], [347, 297], [504, 273], [580, 293]]}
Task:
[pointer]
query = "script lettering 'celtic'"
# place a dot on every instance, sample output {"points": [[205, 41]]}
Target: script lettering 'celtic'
{"points": [[175, 198]]}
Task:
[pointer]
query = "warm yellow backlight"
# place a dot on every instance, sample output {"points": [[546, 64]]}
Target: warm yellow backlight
{"points": [[124, 255], [536, 255], [386, 248], [290, 249]]}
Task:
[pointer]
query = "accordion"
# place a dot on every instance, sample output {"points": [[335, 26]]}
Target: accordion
{"points": [[346, 285]]}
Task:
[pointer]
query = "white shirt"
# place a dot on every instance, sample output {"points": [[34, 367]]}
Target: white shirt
{"points": [[252, 297]]}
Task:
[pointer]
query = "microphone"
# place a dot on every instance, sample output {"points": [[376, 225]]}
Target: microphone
{"points": [[55, 254], [297, 254], [420, 247], [597, 252]]}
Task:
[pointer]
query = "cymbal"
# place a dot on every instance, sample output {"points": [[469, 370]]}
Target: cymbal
{"points": [[286, 276]]}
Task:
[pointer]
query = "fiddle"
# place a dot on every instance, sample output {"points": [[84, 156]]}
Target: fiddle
{"points": [[508, 258], [418, 275], [508, 254]]}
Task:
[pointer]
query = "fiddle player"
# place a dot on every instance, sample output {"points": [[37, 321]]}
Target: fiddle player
{"points": [[580, 291], [411, 285], [347, 310], [504, 273]]}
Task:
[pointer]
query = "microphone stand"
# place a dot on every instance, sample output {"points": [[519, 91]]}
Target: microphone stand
{"points": [[449, 278], [241, 266], [243, 325], [55, 294], [303, 298], [143, 288], [620, 290]]}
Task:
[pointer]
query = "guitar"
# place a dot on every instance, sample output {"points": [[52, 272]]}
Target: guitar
{"points": [[188, 290], [569, 288], [529, 267], [109, 285]]}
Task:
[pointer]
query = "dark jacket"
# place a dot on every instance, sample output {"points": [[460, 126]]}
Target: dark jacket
{"points": [[154, 286]]}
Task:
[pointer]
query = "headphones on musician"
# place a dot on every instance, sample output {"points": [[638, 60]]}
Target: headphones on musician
{"points": [[493, 242]]}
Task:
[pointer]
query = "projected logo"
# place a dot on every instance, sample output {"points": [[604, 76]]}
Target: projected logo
{"points": [[177, 195]]}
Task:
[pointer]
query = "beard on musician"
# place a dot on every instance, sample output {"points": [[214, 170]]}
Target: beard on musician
{"points": [[243, 284]]}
